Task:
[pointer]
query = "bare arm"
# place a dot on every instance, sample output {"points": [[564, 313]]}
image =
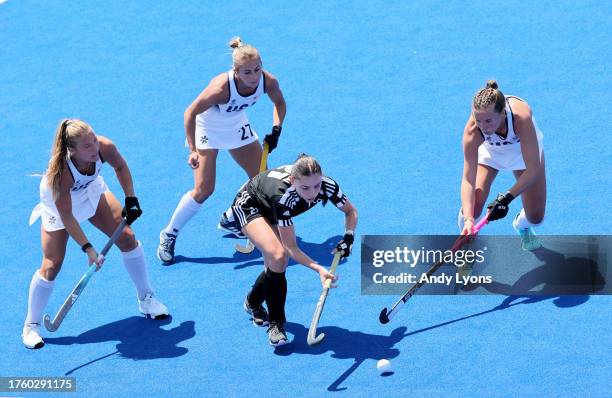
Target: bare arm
{"points": [[64, 208], [217, 92], [111, 155], [471, 141], [287, 235], [276, 96], [530, 149], [63, 203], [350, 216]]}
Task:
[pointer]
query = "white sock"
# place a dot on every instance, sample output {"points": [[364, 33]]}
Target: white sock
{"points": [[186, 208], [460, 220], [136, 266], [521, 221], [40, 292]]}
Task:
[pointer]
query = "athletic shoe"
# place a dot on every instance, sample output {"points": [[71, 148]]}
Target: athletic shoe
{"points": [[165, 250], [230, 225], [31, 336], [276, 334], [151, 307], [529, 239], [259, 315]]}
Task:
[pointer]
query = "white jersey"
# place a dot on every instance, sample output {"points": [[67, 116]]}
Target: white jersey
{"points": [[85, 194], [82, 181], [226, 126], [504, 153]]}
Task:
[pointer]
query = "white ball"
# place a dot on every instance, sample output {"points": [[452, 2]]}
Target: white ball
{"points": [[383, 366]]}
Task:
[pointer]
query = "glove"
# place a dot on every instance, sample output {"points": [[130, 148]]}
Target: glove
{"points": [[272, 138], [346, 245], [499, 207], [131, 211]]}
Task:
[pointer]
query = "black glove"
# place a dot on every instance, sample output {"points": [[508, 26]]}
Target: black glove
{"points": [[272, 138], [131, 211], [499, 207], [346, 244]]}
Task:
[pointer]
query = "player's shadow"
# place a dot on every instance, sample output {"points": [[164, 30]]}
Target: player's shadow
{"points": [[344, 344], [558, 276], [579, 276], [139, 339], [319, 252], [511, 301]]}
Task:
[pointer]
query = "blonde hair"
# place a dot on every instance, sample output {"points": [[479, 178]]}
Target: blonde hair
{"points": [[305, 166], [242, 52], [489, 95], [66, 135]]}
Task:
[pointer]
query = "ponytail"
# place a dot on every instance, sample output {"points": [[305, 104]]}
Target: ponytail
{"points": [[59, 152], [66, 133]]}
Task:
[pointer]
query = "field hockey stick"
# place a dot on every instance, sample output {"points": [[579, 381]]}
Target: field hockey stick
{"points": [[78, 289], [262, 166], [312, 338], [385, 316]]}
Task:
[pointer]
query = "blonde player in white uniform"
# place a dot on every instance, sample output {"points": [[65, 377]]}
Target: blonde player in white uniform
{"points": [[72, 191], [501, 134], [217, 120]]}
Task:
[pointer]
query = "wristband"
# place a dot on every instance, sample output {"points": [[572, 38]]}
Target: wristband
{"points": [[86, 246]]}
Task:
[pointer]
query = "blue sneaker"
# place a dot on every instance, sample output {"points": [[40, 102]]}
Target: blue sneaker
{"points": [[230, 225], [529, 239]]}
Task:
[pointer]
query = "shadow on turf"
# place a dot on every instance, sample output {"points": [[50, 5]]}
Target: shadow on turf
{"points": [[320, 252], [581, 275], [560, 275], [345, 344], [139, 339]]}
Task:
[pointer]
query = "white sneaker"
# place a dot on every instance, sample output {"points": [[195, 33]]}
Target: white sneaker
{"points": [[31, 336], [151, 307], [165, 250]]}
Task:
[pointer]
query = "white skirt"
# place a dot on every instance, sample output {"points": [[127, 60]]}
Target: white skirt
{"points": [[84, 204], [227, 138]]}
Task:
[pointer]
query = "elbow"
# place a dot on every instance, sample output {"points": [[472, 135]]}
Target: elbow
{"points": [[120, 167], [188, 116]]}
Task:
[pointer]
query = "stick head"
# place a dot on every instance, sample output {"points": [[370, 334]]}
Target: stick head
{"points": [[245, 249], [315, 340], [48, 324], [384, 317]]}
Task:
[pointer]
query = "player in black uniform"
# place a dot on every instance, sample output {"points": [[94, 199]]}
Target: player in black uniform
{"points": [[263, 210]]}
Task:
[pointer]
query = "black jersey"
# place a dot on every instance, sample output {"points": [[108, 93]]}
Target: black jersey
{"points": [[279, 201]]}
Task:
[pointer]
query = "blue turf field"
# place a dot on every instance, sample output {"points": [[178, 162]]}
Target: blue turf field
{"points": [[379, 93]]}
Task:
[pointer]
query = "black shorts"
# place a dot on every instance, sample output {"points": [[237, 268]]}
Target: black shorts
{"points": [[245, 208]]}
